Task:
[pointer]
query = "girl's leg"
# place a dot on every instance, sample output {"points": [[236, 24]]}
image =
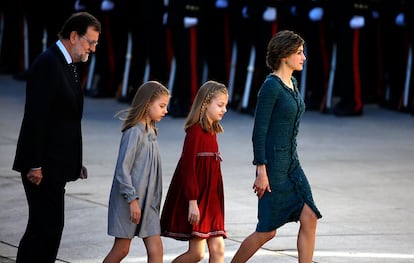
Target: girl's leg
{"points": [[154, 247], [251, 244], [195, 252], [119, 250], [216, 249], [307, 233]]}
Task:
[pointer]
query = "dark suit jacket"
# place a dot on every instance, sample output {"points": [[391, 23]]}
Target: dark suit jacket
{"points": [[50, 135]]}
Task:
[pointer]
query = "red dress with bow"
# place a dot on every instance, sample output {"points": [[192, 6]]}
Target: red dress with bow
{"points": [[196, 177]]}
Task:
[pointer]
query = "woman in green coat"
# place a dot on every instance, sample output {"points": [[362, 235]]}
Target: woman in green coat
{"points": [[281, 185]]}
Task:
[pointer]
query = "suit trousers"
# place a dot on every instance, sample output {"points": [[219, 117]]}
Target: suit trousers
{"points": [[41, 240]]}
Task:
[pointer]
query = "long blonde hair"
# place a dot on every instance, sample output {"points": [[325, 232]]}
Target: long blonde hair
{"points": [[205, 95], [145, 95]]}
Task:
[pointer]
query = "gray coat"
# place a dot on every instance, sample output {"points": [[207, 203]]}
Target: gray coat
{"points": [[137, 175]]}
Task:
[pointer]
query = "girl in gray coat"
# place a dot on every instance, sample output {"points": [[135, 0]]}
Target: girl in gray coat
{"points": [[135, 198]]}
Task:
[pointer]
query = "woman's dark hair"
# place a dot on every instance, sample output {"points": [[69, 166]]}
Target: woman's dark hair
{"points": [[281, 45]]}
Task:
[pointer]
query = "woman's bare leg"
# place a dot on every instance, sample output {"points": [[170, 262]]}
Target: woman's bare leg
{"points": [[307, 234], [251, 244]]}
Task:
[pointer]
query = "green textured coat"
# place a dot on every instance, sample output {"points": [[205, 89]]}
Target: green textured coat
{"points": [[276, 125]]}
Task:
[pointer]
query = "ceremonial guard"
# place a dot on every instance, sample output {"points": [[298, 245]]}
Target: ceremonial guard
{"points": [[410, 23], [183, 22], [99, 73], [253, 24], [144, 44], [214, 55], [11, 42], [398, 53], [318, 50], [350, 20], [41, 27]]}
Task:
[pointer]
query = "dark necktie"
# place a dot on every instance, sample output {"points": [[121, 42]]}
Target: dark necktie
{"points": [[75, 71]]}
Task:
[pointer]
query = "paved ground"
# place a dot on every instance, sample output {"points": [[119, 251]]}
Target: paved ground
{"points": [[361, 170]]}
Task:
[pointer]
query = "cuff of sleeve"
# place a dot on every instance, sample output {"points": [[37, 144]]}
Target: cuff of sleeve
{"points": [[130, 198], [133, 198], [256, 162]]}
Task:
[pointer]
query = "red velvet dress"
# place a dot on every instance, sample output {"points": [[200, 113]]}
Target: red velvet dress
{"points": [[196, 177]]}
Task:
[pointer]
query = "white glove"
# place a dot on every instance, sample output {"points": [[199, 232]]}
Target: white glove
{"points": [[357, 22], [400, 19], [222, 4], [78, 6], [375, 14], [107, 5], [190, 21], [316, 14], [270, 14], [294, 10], [165, 18], [244, 12]]}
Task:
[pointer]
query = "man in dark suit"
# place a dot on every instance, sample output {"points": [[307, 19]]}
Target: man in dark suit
{"points": [[49, 148]]}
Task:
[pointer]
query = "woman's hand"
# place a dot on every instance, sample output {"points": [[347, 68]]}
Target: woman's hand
{"points": [[261, 184]]}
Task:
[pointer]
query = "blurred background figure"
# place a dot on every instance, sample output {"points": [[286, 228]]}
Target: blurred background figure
{"points": [[11, 37], [266, 20], [318, 50], [241, 30], [397, 51], [100, 73], [358, 51], [43, 25], [29, 29], [351, 21], [252, 24], [143, 22], [214, 41], [183, 17], [410, 23]]}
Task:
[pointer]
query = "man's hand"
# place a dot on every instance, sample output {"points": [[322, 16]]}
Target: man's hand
{"points": [[35, 176], [83, 173]]}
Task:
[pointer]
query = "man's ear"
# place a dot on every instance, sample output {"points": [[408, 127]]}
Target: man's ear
{"points": [[73, 37]]}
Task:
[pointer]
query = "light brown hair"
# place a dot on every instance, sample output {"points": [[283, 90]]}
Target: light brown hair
{"points": [[145, 95], [207, 92]]}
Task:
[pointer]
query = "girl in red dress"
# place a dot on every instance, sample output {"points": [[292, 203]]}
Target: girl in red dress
{"points": [[194, 206]]}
